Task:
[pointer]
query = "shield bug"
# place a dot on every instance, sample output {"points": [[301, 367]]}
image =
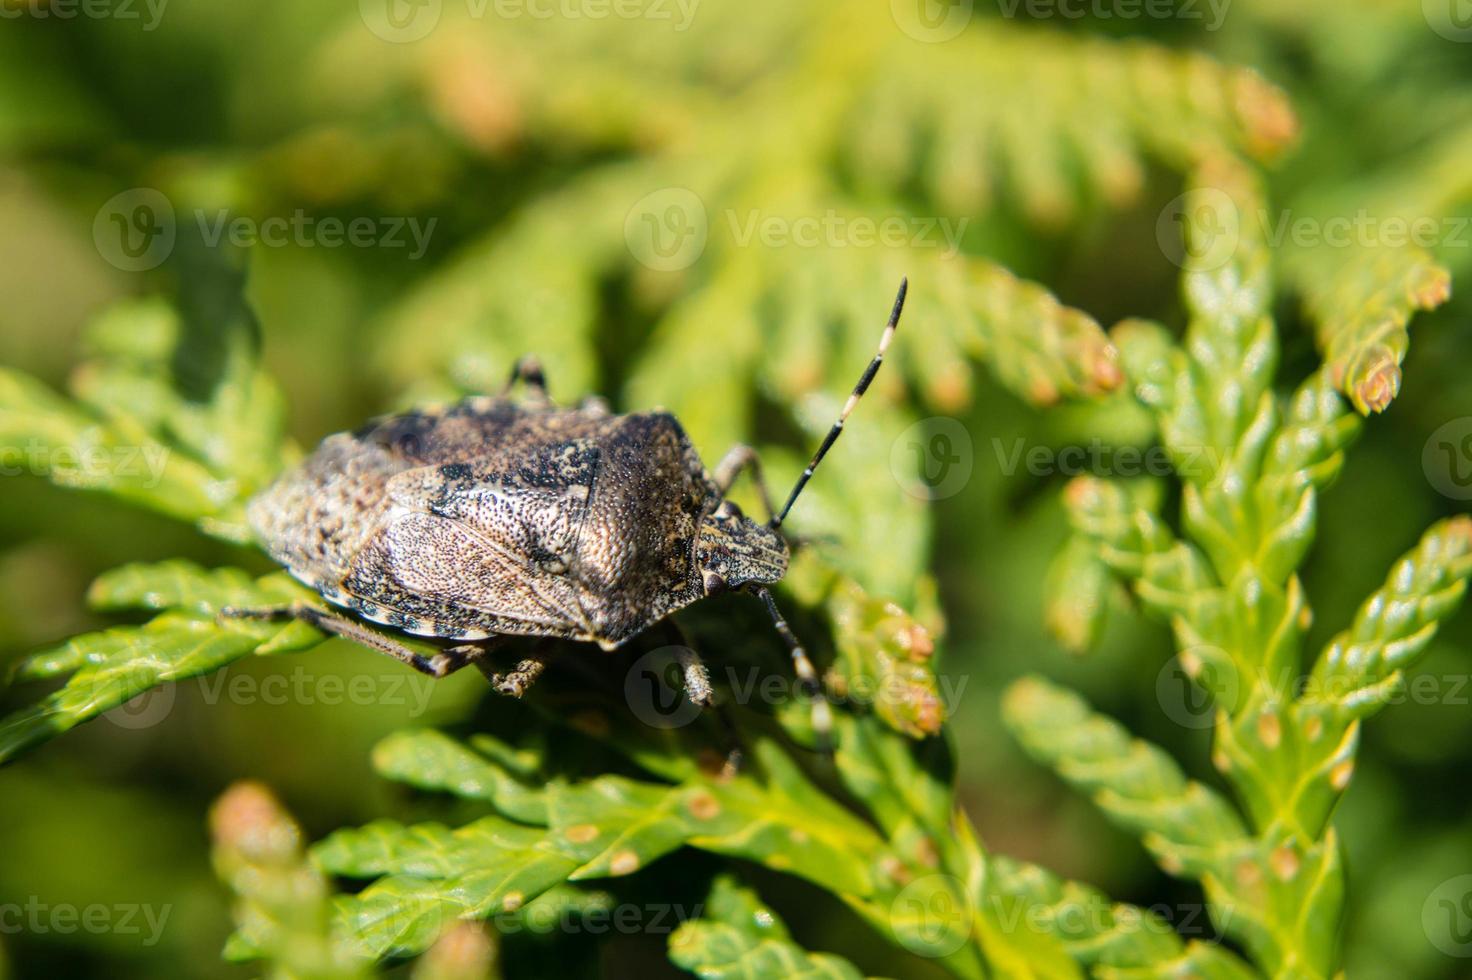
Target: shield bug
{"points": [[499, 517]]}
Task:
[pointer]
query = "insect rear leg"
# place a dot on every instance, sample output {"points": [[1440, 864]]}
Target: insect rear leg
{"points": [[743, 457], [807, 675], [441, 664]]}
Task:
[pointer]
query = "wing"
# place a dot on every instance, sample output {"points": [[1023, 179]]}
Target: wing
{"points": [[317, 517], [431, 575], [491, 548], [528, 505]]}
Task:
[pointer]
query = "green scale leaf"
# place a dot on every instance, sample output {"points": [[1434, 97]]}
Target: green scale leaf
{"points": [[106, 669]]}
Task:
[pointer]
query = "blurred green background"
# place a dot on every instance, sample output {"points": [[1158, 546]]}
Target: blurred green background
{"points": [[532, 144]]}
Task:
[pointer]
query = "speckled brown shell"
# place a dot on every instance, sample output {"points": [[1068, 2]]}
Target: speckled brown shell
{"points": [[494, 517]]}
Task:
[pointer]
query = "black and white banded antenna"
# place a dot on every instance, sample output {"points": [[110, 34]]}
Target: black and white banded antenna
{"points": [[853, 400]]}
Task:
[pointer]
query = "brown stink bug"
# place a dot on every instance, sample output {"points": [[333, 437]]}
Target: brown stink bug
{"points": [[494, 518]]}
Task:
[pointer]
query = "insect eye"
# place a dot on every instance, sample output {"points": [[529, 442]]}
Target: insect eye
{"points": [[729, 509], [714, 582]]}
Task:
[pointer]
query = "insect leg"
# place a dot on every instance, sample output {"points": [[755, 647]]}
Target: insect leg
{"points": [[519, 679], [696, 678], [698, 689], [441, 664], [807, 675], [528, 370], [594, 405], [743, 457]]}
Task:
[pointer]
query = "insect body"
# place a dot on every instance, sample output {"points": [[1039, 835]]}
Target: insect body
{"points": [[497, 517]]}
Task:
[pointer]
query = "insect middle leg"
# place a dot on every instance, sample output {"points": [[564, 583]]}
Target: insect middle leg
{"points": [[529, 371], [441, 664], [743, 457], [807, 675], [516, 681]]}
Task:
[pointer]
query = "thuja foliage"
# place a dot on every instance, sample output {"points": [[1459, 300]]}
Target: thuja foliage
{"points": [[547, 815], [1251, 463]]}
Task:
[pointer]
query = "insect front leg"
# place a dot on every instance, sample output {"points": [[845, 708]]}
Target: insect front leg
{"points": [[695, 677], [743, 457], [807, 675], [441, 664]]}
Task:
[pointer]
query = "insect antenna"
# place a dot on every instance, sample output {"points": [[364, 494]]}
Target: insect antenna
{"points": [[853, 399]]}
